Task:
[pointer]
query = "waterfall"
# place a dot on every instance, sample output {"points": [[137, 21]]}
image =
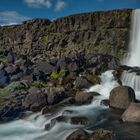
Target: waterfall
{"points": [[133, 59], [134, 45]]}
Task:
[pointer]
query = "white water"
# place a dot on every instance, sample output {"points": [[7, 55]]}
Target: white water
{"points": [[134, 46], [32, 127], [133, 59]]}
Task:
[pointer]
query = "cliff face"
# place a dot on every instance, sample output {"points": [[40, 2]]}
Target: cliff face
{"points": [[99, 32]]}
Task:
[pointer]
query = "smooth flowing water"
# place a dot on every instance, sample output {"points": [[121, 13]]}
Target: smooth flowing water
{"points": [[32, 127], [133, 59]]}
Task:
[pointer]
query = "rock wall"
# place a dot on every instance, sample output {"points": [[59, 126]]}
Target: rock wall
{"points": [[99, 32]]}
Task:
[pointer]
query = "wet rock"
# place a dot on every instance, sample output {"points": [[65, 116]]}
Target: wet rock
{"points": [[10, 112], [83, 98], [79, 134], [132, 113], [54, 121], [79, 120], [46, 110], [121, 97], [69, 112], [105, 102], [101, 134]]}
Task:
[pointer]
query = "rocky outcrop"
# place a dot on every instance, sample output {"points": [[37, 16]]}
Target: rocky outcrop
{"points": [[99, 32]]}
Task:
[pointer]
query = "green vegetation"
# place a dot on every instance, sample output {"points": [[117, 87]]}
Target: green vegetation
{"points": [[55, 75], [42, 29], [125, 14], [2, 50], [13, 86], [3, 59], [121, 52], [39, 84], [45, 38], [124, 29], [50, 26]]}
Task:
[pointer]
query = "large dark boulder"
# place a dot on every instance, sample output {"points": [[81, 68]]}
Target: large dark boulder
{"points": [[120, 97], [82, 83], [55, 95], [10, 112], [35, 101], [132, 113]]}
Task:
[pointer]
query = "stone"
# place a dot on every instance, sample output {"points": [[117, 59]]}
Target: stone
{"points": [[79, 134], [82, 83], [55, 95], [132, 113], [79, 120], [101, 134], [35, 102], [120, 97], [83, 98]]}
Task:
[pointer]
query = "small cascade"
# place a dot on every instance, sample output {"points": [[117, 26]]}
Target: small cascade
{"points": [[133, 59], [131, 79]]}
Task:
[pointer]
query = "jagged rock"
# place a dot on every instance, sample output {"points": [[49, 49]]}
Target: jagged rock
{"points": [[55, 95], [99, 30], [35, 101], [121, 97], [132, 113], [82, 83]]}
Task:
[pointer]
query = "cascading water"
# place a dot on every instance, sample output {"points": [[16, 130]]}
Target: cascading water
{"points": [[32, 126], [129, 78]]}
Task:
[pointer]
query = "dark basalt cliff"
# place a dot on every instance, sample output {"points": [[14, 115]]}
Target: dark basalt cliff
{"points": [[99, 32]]}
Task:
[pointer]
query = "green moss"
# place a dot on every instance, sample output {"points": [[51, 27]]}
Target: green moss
{"points": [[42, 29], [121, 52], [124, 29], [125, 14], [39, 84], [55, 75], [50, 26], [59, 75], [62, 72], [45, 38], [3, 58], [13, 86], [2, 50]]}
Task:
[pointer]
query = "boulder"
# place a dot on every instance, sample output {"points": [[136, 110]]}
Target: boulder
{"points": [[82, 83], [54, 121], [83, 98], [121, 97], [101, 134], [55, 95], [79, 120], [35, 102], [132, 113], [79, 134]]}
